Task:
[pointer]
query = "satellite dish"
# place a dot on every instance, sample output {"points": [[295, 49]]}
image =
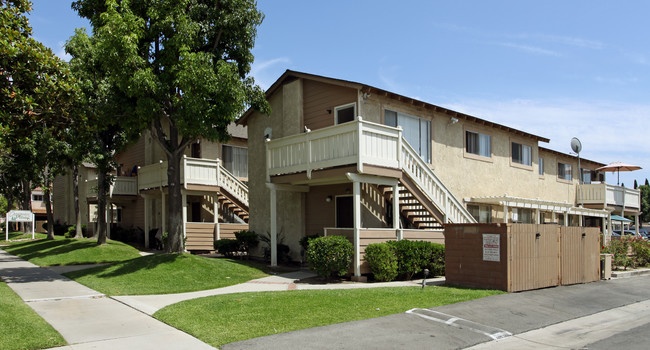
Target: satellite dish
{"points": [[576, 145]]}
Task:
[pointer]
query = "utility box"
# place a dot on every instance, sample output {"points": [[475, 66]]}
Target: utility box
{"points": [[605, 266], [518, 257]]}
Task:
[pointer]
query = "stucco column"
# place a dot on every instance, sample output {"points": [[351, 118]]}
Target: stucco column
{"points": [[356, 202], [505, 213], [537, 217], [604, 229], [274, 227]]}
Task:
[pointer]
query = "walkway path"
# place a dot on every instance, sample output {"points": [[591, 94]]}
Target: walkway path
{"points": [[149, 304], [85, 318]]}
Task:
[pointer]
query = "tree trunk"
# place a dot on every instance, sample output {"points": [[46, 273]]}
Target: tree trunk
{"points": [[26, 203], [75, 192], [48, 203], [101, 205], [175, 239]]}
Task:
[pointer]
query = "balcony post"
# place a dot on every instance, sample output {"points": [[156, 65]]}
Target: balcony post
{"points": [[274, 227], [636, 225], [360, 145], [396, 220], [609, 225], [215, 199], [356, 202], [147, 219], [184, 199]]}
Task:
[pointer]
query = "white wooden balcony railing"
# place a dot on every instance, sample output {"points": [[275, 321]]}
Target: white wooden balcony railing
{"points": [[610, 195], [196, 171], [358, 143], [122, 186]]}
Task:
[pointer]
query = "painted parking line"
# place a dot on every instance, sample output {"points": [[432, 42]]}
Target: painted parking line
{"points": [[491, 332]]}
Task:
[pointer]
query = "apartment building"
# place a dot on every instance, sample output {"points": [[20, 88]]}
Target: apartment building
{"points": [[341, 157]]}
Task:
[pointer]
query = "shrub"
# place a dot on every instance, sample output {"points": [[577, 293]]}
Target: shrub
{"points": [[415, 256], [247, 240], [641, 250], [330, 256], [227, 247], [382, 261], [283, 249], [619, 248]]}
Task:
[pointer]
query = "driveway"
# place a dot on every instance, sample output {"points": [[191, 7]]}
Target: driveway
{"points": [[479, 321]]}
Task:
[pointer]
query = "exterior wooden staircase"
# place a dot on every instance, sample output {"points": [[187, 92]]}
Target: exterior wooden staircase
{"points": [[233, 194]]}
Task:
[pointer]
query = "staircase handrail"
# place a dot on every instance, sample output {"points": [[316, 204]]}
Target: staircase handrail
{"points": [[460, 213], [233, 185]]}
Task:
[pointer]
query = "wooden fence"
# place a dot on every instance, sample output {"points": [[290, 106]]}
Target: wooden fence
{"points": [[518, 257]]}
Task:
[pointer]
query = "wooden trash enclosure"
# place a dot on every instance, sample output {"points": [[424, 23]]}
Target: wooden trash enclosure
{"points": [[518, 257]]}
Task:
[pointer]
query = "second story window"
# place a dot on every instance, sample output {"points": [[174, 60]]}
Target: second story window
{"points": [[416, 131], [541, 165], [564, 171], [479, 144], [235, 159], [586, 176], [522, 154], [345, 113], [37, 197]]}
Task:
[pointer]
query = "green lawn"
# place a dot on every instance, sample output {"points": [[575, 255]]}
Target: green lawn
{"points": [[64, 251], [164, 274], [228, 318], [21, 327]]}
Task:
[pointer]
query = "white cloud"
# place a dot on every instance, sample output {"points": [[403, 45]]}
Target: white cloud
{"points": [[530, 49], [265, 72]]}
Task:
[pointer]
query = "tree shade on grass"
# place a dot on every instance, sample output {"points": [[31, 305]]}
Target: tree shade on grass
{"points": [[64, 251], [19, 237], [165, 274], [21, 327], [249, 315]]}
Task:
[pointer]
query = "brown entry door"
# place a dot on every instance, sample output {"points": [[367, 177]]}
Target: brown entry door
{"points": [[344, 212]]}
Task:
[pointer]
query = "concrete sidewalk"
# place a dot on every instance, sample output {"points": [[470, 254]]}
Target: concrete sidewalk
{"points": [[85, 318], [149, 304]]}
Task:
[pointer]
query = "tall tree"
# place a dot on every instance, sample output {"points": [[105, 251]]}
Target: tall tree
{"points": [[645, 203], [36, 96], [186, 64], [107, 110]]}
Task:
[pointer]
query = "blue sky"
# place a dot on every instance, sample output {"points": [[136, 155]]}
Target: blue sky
{"points": [[557, 69]]}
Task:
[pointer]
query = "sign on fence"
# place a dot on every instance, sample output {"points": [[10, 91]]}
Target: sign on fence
{"points": [[491, 247], [19, 216]]}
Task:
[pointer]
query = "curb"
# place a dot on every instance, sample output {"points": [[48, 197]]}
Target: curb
{"points": [[628, 274]]}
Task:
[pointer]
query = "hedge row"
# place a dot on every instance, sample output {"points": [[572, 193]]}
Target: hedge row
{"points": [[404, 259]]}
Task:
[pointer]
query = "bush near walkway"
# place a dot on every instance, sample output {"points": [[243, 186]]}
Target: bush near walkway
{"points": [[628, 252], [330, 256]]}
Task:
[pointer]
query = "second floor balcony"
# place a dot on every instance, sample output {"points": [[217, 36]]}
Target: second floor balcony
{"points": [[122, 186], [605, 195]]}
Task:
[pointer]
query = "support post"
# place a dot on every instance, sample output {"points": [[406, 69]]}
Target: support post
{"points": [[636, 225], [147, 221], [505, 213], [163, 217], [184, 199], [109, 218], [215, 198], [396, 220], [274, 227], [609, 225], [356, 202]]}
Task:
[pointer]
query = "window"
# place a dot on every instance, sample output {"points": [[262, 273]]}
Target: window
{"points": [[37, 197], [586, 176], [522, 154], [541, 165], [479, 144], [416, 131], [522, 216], [345, 113], [235, 159], [482, 213], [564, 171]]}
